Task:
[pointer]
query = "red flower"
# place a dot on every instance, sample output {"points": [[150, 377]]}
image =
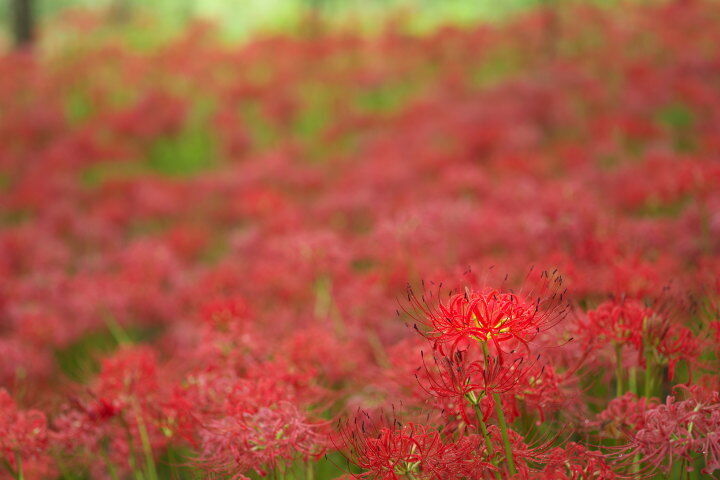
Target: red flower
{"points": [[576, 462], [393, 451], [464, 377], [23, 433], [259, 439], [681, 429], [491, 316], [222, 313], [619, 321], [623, 415]]}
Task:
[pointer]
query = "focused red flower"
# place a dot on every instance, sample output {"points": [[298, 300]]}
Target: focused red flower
{"points": [[466, 377], [489, 316]]}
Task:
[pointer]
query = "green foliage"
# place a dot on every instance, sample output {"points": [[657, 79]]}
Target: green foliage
{"points": [[679, 119], [185, 154], [80, 360]]}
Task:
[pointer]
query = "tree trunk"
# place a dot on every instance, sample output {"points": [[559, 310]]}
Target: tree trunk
{"points": [[23, 23]]}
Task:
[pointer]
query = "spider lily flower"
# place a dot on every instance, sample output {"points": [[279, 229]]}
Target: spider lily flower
{"points": [[680, 430], [464, 377], [495, 318], [390, 450], [23, 434]]}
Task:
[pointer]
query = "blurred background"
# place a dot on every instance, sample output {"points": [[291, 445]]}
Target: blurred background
{"points": [[239, 19]]}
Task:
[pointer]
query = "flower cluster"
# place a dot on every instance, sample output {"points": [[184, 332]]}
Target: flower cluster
{"points": [[681, 430]]}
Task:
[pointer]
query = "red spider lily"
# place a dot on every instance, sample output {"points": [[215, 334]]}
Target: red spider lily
{"points": [[23, 434], [132, 371], [463, 379], [575, 462], [544, 389], [667, 341], [84, 430], [619, 321], [391, 451], [129, 416], [677, 343], [256, 422], [529, 456], [655, 334], [488, 316], [623, 416], [677, 430], [259, 440], [221, 313]]}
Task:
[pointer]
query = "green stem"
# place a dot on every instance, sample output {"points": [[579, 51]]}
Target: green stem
{"points": [[147, 448], [501, 421], [504, 432], [8, 468], [618, 370], [683, 469], [648, 363], [486, 436], [633, 387], [109, 464], [693, 475], [131, 444], [309, 471], [635, 467], [173, 461], [116, 330], [632, 380], [19, 474], [648, 380]]}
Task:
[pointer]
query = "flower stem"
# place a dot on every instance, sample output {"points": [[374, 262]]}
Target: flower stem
{"points": [[110, 467], [648, 380], [501, 422], [648, 387], [632, 387], [693, 474], [309, 472], [147, 448], [19, 475], [632, 380], [486, 436], [504, 432], [618, 370]]}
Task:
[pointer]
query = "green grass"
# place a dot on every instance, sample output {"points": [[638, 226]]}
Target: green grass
{"points": [[80, 361]]}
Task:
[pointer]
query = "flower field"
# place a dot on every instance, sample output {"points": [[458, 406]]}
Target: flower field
{"points": [[487, 252]]}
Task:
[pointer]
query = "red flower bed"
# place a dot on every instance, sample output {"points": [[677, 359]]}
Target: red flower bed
{"points": [[479, 253]]}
